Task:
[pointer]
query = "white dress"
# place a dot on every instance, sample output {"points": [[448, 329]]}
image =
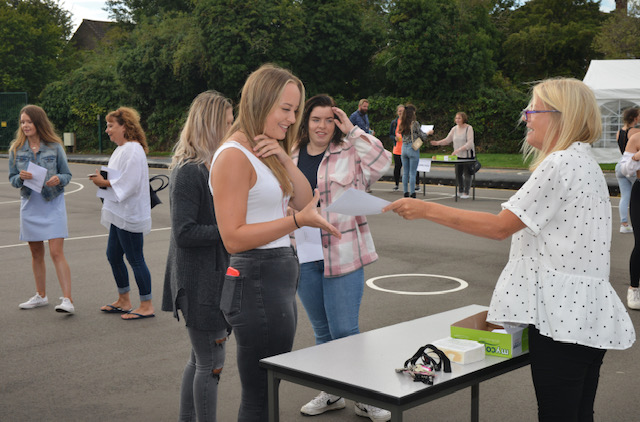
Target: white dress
{"points": [[557, 277]]}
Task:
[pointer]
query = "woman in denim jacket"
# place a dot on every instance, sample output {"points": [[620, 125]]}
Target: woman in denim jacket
{"points": [[43, 215]]}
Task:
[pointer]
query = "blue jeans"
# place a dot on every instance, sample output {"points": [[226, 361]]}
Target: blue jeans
{"points": [[122, 242], [199, 391], [260, 305], [333, 304], [625, 184], [410, 158]]}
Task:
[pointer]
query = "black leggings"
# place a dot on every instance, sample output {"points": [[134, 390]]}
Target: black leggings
{"points": [[565, 378], [634, 216]]}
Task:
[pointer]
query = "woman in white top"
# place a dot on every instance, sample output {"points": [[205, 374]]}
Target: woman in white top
{"points": [[253, 181], [126, 211], [630, 167], [557, 277], [462, 137]]}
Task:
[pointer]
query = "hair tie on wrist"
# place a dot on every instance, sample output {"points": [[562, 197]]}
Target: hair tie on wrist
{"points": [[294, 220]]}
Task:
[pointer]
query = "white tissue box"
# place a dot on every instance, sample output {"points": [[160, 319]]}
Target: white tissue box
{"points": [[461, 351]]}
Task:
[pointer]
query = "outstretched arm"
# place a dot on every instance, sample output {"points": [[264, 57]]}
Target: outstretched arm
{"points": [[477, 223]]}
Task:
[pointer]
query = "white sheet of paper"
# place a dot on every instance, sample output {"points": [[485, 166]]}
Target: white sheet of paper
{"points": [[309, 244], [38, 175], [426, 128], [356, 202], [112, 174], [424, 164]]}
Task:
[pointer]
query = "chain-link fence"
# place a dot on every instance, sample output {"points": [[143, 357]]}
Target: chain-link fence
{"points": [[10, 105]]}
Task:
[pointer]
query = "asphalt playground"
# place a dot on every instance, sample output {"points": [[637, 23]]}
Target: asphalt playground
{"points": [[93, 366]]}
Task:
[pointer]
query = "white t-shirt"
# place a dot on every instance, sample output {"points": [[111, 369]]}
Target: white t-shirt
{"points": [[266, 201], [557, 277], [131, 211]]}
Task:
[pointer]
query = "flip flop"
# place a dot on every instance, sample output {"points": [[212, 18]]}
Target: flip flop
{"points": [[139, 316], [115, 310]]}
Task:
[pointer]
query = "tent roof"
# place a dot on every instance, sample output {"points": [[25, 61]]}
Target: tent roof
{"points": [[614, 79]]}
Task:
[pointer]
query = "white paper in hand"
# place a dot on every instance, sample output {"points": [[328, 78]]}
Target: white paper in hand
{"points": [[38, 175], [355, 202]]}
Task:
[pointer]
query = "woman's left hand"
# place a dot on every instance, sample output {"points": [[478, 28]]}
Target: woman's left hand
{"points": [[54, 181], [342, 120], [266, 147]]}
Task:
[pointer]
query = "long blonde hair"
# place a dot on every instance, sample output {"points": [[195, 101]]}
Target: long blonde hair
{"points": [[202, 131], [579, 119], [260, 94], [43, 125], [130, 119]]}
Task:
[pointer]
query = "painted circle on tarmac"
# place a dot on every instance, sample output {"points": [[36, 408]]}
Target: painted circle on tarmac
{"points": [[462, 284]]}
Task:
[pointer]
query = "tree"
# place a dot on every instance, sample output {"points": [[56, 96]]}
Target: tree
{"points": [[241, 35], [438, 48], [345, 34], [133, 11], [620, 34], [33, 35], [551, 38]]}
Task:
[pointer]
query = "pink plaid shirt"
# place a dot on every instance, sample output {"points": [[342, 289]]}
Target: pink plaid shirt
{"points": [[355, 163]]}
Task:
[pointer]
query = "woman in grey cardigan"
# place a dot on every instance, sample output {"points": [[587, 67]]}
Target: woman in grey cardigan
{"points": [[197, 258]]}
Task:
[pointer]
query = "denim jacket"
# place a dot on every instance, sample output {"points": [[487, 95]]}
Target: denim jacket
{"points": [[50, 156]]}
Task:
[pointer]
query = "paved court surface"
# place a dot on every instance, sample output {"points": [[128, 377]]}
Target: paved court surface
{"points": [[93, 366]]}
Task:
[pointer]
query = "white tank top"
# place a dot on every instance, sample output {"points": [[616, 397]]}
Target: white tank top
{"points": [[266, 201]]}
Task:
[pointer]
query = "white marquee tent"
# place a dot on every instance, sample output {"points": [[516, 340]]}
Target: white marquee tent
{"points": [[616, 85]]}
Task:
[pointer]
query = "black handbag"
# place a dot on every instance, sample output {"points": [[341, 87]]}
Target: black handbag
{"points": [[153, 193], [475, 166]]}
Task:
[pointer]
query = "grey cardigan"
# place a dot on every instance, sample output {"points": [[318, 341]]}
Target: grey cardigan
{"points": [[197, 258]]}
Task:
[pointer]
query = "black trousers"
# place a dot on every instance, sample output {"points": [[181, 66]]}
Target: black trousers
{"points": [[634, 216], [565, 377]]}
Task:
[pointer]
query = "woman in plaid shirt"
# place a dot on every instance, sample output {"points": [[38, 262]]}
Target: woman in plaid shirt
{"points": [[335, 156]]}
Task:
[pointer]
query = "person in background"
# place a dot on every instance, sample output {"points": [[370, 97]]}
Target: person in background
{"points": [[629, 167], [557, 277], [396, 138], [43, 215], [410, 129], [253, 180], [335, 156], [630, 118], [462, 137], [197, 259], [126, 211], [360, 117]]}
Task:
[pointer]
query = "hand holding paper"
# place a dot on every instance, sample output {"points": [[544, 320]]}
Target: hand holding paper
{"points": [[37, 177], [355, 202]]}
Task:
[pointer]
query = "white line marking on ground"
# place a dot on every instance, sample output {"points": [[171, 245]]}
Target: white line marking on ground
{"points": [[81, 186], [371, 283], [79, 238]]}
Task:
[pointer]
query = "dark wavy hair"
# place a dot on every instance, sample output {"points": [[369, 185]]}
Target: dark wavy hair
{"points": [[408, 117], [322, 100]]}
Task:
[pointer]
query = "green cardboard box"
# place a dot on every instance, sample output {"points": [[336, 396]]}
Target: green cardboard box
{"points": [[445, 157], [503, 345]]}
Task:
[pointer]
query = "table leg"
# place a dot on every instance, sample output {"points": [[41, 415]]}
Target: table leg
{"points": [[396, 416], [474, 186], [273, 385], [475, 403], [455, 180]]}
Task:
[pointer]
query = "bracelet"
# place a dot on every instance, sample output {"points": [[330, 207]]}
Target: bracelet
{"points": [[295, 221]]}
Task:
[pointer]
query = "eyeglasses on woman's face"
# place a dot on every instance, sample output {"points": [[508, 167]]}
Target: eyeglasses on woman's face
{"points": [[526, 113]]}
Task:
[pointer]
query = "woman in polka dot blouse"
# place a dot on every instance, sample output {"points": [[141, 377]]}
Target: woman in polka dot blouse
{"points": [[557, 277]]}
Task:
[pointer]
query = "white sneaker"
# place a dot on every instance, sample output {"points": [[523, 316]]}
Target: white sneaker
{"points": [[374, 413], [35, 302], [323, 402], [464, 196], [626, 229], [65, 306], [633, 298]]}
